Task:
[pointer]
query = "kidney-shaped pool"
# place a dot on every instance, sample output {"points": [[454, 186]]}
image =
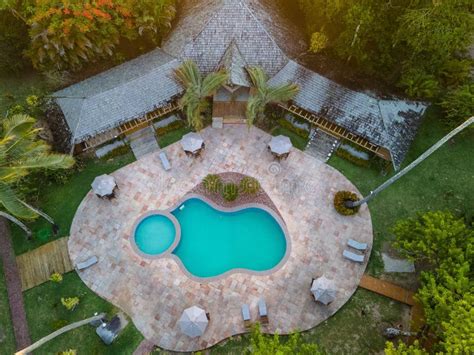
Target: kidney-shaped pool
{"points": [[210, 241]]}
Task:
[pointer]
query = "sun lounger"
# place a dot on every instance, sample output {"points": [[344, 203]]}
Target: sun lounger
{"points": [[357, 245], [353, 256], [87, 263], [262, 311], [246, 315], [164, 161]]}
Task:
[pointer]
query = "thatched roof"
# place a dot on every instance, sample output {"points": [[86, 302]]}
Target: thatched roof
{"points": [[118, 95], [389, 123]]}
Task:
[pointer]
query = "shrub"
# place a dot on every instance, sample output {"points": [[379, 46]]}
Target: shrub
{"points": [[319, 41], [173, 126], [68, 352], [56, 277], [249, 185], [58, 324], [340, 203], [230, 192], [458, 105], [344, 154], [117, 152], [298, 131], [212, 183], [70, 303]]}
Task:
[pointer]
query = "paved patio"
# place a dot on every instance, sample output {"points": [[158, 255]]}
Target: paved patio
{"points": [[155, 292]]}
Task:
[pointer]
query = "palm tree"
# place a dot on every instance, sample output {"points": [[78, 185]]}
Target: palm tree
{"points": [[21, 152], [265, 94], [194, 101], [408, 168]]}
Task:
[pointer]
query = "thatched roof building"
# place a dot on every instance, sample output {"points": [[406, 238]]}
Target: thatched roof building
{"points": [[233, 34]]}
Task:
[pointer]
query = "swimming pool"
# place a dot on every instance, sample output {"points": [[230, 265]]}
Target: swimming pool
{"points": [[211, 241]]}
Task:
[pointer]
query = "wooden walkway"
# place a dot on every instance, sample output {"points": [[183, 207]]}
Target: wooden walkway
{"points": [[37, 265], [387, 289]]}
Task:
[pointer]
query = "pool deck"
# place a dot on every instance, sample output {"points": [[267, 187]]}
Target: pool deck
{"points": [[154, 292]]}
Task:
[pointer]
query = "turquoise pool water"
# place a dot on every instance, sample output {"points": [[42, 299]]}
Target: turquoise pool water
{"points": [[155, 234], [214, 242]]}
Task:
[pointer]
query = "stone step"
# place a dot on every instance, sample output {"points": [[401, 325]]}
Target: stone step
{"points": [[321, 145], [143, 142]]}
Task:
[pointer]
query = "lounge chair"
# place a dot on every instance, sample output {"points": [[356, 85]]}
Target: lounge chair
{"points": [[87, 263], [357, 245], [164, 161], [246, 316], [262, 311], [353, 256]]}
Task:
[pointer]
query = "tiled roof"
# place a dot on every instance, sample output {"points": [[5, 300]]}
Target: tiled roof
{"points": [[119, 95], [206, 29], [389, 123]]}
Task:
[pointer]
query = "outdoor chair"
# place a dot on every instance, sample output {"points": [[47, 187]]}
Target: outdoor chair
{"points": [[353, 256], [357, 245], [164, 161], [87, 263], [262, 311], [246, 316]]}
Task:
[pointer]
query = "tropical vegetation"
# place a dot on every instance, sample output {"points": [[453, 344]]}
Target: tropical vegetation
{"points": [[22, 152], [443, 243], [263, 94], [194, 102], [420, 46]]}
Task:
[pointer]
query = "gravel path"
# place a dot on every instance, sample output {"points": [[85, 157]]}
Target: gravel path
{"points": [[13, 282]]}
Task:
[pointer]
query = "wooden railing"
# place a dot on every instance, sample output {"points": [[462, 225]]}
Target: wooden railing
{"points": [[130, 126], [332, 128]]}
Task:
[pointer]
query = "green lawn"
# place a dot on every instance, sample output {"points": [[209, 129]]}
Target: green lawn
{"points": [[62, 201], [355, 329], [43, 308], [172, 137], [443, 181], [7, 340], [297, 141]]}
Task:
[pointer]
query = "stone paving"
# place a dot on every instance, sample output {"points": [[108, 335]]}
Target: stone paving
{"points": [[155, 292]]}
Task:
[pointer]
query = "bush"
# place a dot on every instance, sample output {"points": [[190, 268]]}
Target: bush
{"points": [[340, 203], [344, 154], [298, 131], [56, 277], [249, 185], [117, 152], [70, 303], [173, 126], [458, 105], [212, 183], [230, 192]]}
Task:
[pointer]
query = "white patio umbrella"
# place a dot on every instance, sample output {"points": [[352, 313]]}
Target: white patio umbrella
{"points": [[324, 290], [192, 142], [280, 145], [104, 185], [193, 322]]}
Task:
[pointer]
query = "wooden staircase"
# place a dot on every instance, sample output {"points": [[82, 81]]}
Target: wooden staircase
{"points": [[130, 126], [332, 128]]}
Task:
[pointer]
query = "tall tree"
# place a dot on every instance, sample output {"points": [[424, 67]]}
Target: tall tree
{"points": [[264, 94], [67, 34], [197, 91], [21, 152]]}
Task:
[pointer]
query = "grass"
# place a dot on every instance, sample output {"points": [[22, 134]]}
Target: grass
{"points": [[43, 308], [355, 329], [442, 182], [7, 339], [62, 201], [297, 141], [172, 137]]}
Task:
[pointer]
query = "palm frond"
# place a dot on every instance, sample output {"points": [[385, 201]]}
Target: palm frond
{"points": [[213, 82], [11, 203], [45, 161], [188, 74], [282, 93]]}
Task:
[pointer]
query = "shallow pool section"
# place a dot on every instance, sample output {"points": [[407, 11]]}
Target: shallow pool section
{"points": [[155, 234], [214, 241]]}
